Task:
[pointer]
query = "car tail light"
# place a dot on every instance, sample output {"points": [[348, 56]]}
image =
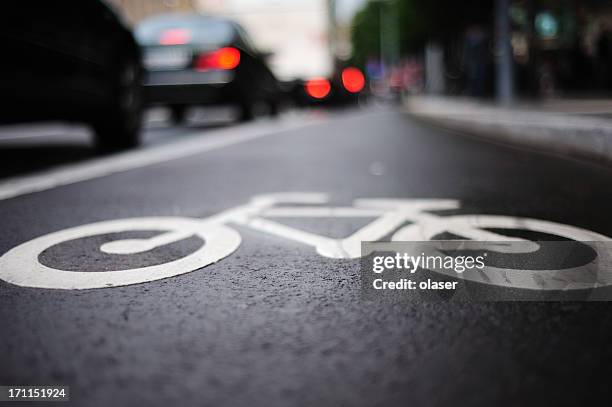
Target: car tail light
{"points": [[174, 36], [318, 88], [224, 58], [353, 80]]}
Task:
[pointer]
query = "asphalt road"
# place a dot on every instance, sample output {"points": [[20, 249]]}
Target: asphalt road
{"points": [[276, 324]]}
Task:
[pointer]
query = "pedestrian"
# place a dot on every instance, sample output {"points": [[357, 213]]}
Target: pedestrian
{"points": [[603, 48], [475, 60]]}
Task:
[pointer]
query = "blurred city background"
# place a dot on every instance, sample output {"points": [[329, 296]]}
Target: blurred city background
{"points": [[559, 48], [136, 72], [266, 57]]}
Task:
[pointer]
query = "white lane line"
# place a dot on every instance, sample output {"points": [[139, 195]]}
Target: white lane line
{"points": [[100, 167], [28, 131]]}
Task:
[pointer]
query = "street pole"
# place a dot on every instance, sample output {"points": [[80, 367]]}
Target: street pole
{"points": [[383, 38], [333, 29], [389, 36], [505, 69]]}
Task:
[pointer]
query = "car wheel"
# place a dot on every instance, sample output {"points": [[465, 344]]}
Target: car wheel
{"points": [[178, 114], [246, 111], [273, 108], [119, 126]]}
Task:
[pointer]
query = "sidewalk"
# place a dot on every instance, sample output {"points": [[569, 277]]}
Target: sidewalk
{"points": [[579, 129]]}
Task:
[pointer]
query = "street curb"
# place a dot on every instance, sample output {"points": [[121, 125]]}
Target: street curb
{"points": [[581, 138]]}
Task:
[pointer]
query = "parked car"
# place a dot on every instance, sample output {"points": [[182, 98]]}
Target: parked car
{"points": [[71, 60], [192, 59]]}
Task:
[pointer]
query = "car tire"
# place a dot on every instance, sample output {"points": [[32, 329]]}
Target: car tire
{"points": [[118, 128], [273, 108], [178, 114], [246, 111]]}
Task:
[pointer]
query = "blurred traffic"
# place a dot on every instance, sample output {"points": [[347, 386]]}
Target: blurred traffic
{"points": [[88, 71], [196, 60], [118, 58]]}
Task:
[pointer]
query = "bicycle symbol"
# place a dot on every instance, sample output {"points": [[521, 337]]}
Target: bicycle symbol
{"points": [[21, 265]]}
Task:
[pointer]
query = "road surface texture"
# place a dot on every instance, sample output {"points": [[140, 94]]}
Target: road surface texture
{"points": [[276, 324]]}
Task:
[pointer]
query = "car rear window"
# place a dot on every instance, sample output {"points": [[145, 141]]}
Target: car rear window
{"points": [[193, 29]]}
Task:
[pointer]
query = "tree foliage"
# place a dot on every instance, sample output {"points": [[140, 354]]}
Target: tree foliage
{"points": [[417, 20], [365, 33]]}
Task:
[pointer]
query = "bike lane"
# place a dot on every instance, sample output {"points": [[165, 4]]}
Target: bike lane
{"points": [[276, 320]]}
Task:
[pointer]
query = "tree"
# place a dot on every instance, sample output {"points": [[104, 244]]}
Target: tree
{"points": [[418, 21], [365, 33]]}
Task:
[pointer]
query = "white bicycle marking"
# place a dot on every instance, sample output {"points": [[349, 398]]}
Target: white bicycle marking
{"points": [[570, 278], [21, 266], [133, 246]]}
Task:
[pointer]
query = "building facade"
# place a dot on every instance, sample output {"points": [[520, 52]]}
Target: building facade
{"points": [[562, 46], [134, 11]]}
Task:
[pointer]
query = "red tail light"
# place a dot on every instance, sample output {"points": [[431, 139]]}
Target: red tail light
{"points": [[224, 58], [318, 88], [174, 36], [353, 80]]}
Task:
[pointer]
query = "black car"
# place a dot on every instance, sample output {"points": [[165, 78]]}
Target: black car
{"points": [[192, 59], [71, 60]]}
